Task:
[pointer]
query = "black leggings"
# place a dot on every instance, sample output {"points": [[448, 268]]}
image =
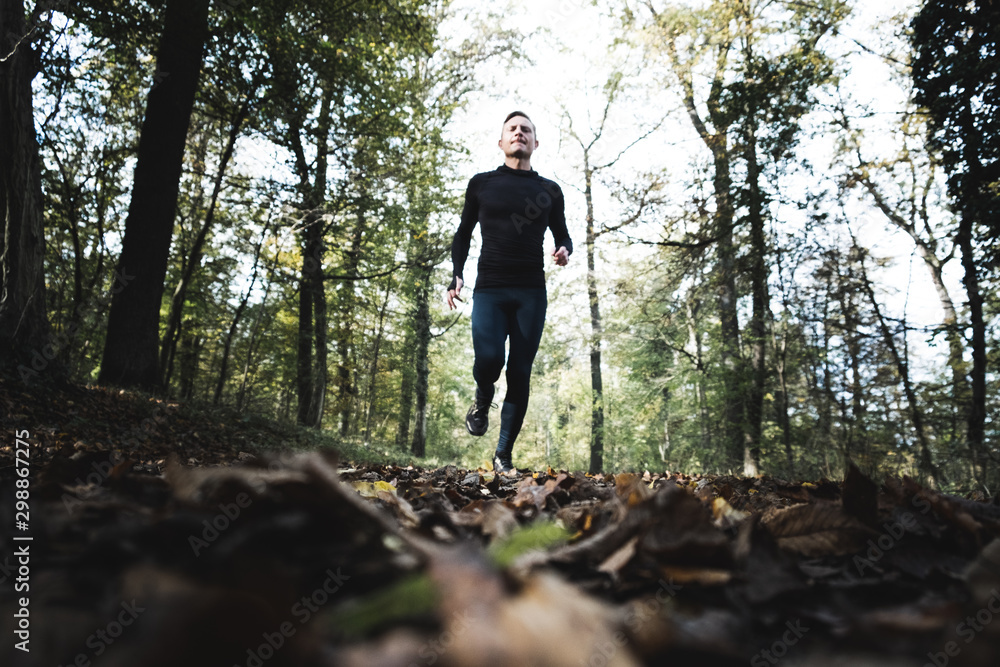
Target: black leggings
{"points": [[499, 313]]}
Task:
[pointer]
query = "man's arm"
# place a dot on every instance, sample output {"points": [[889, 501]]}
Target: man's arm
{"points": [[460, 243], [557, 225]]}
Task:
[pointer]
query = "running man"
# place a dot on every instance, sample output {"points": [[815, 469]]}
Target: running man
{"points": [[513, 206]]}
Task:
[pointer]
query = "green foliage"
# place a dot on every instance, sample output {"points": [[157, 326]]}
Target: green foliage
{"points": [[411, 597], [538, 536]]}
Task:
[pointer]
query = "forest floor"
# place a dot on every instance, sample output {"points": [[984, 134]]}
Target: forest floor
{"points": [[163, 535]]}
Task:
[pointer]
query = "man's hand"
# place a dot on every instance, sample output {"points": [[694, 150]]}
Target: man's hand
{"points": [[453, 294], [561, 256]]}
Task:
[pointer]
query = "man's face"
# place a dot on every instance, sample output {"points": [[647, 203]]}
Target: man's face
{"points": [[518, 138]]}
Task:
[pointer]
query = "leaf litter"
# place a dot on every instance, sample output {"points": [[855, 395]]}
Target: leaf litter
{"points": [[300, 559]]}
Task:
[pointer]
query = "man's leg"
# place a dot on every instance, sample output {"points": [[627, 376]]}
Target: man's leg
{"points": [[528, 320], [489, 332]]}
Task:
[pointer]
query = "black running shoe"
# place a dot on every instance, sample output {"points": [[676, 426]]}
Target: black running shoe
{"points": [[477, 420], [502, 464]]}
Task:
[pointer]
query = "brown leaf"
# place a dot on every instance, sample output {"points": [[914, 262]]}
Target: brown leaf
{"points": [[620, 558], [680, 531], [631, 489], [725, 516], [819, 529], [531, 494]]}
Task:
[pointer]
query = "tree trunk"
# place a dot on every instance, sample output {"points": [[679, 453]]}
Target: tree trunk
{"points": [[976, 430], [757, 326], [784, 422], [821, 435], [856, 442], [596, 380], [310, 374], [315, 416], [373, 369], [664, 447], [24, 325], [732, 366], [422, 333], [405, 394], [131, 349], [190, 353]]}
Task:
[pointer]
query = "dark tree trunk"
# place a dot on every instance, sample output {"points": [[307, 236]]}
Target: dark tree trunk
{"points": [[24, 327], [190, 355], [976, 430], [784, 421], [596, 379], [825, 426], [856, 443], [406, 393], [422, 334], [310, 285], [315, 416], [131, 349], [757, 327], [664, 448], [311, 375], [732, 365]]}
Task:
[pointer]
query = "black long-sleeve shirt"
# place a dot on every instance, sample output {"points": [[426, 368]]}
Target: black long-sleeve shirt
{"points": [[513, 207]]}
